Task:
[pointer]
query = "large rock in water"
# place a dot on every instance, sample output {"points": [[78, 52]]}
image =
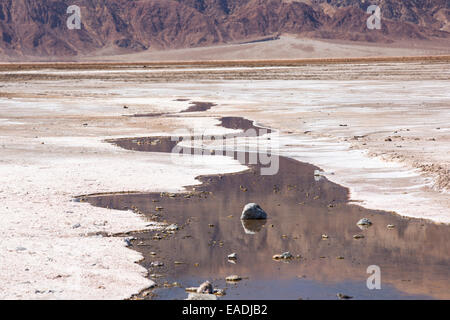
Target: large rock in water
{"points": [[253, 211]]}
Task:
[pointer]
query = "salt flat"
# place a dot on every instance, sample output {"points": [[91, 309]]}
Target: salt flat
{"points": [[379, 129]]}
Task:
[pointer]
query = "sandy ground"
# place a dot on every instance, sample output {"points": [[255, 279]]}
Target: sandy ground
{"points": [[286, 47], [51, 133]]}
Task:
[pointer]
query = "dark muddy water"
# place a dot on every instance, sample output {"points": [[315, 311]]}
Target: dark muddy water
{"points": [[413, 256], [195, 106]]}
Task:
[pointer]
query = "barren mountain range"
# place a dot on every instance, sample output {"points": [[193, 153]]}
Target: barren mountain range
{"points": [[38, 27]]}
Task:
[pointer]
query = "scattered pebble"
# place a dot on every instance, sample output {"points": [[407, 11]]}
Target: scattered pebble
{"points": [[318, 173], [364, 222], [201, 296], [232, 256], [172, 227], [219, 292], [358, 236], [233, 278], [205, 287], [128, 241], [156, 264], [390, 226], [343, 296], [325, 237], [243, 188], [284, 256]]}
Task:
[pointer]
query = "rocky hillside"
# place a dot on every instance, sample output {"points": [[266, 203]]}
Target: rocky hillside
{"points": [[38, 27]]}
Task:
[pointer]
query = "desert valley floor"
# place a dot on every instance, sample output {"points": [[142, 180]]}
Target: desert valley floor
{"points": [[378, 130]]}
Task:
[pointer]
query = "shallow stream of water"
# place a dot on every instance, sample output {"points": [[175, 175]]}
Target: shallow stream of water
{"points": [[413, 256]]}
